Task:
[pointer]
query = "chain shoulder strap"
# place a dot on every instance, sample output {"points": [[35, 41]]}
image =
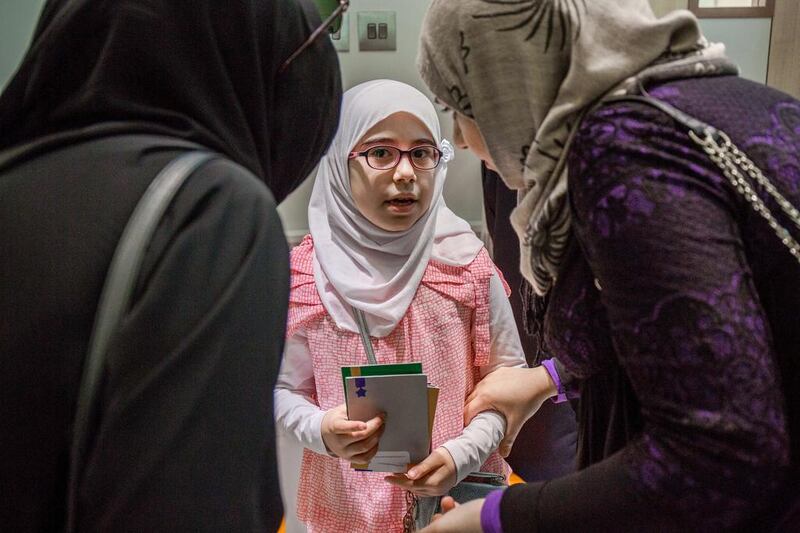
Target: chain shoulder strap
{"points": [[740, 171], [737, 168]]}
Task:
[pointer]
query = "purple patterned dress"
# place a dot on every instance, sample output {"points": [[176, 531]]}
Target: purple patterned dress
{"points": [[677, 318]]}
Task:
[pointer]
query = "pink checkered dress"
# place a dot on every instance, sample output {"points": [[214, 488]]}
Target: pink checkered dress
{"points": [[446, 328]]}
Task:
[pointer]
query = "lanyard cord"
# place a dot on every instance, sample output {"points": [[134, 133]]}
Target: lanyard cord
{"points": [[365, 340]]}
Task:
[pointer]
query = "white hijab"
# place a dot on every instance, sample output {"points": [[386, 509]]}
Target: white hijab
{"points": [[357, 263]]}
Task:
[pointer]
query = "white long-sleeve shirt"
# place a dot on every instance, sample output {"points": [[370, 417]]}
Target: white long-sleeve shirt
{"points": [[301, 418]]}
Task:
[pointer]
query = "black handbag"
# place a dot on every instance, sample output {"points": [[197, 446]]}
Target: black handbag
{"points": [[114, 301], [475, 486]]}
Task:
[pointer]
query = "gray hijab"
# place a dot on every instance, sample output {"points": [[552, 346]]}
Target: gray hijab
{"points": [[528, 70]]}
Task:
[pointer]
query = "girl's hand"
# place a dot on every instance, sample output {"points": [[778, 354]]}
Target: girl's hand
{"points": [[517, 393], [351, 440], [457, 518], [432, 477]]}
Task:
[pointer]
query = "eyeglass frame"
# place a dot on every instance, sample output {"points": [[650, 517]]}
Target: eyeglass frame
{"points": [[353, 155], [340, 10]]}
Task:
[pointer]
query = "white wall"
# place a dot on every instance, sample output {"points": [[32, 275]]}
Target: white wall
{"points": [[463, 188], [462, 191], [17, 21], [747, 41]]}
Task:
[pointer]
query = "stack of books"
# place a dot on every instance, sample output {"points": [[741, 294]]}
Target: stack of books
{"points": [[402, 393]]}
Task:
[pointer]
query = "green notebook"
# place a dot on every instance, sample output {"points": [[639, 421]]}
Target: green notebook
{"points": [[389, 369]]}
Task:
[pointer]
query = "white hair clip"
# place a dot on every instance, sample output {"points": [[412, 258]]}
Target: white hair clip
{"points": [[448, 153]]}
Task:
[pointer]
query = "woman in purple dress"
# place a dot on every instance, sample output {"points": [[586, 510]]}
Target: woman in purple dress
{"points": [[669, 299]]}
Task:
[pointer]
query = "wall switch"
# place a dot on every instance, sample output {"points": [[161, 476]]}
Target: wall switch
{"points": [[377, 30]]}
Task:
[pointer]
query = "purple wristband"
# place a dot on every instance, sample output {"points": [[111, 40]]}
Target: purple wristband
{"points": [[551, 369], [490, 513]]}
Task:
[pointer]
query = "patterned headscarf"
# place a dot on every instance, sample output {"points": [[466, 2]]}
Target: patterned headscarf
{"points": [[527, 71]]}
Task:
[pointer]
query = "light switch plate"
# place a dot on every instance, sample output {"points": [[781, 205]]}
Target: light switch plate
{"points": [[342, 43], [378, 18]]}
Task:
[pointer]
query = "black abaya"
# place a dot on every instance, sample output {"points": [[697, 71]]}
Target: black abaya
{"points": [[185, 439], [545, 446]]}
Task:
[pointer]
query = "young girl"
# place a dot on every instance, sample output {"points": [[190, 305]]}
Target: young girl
{"points": [[383, 241]]}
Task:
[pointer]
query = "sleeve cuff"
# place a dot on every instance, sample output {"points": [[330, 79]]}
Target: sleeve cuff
{"points": [[551, 369], [315, 443], [460, 458], [490, 513], [479, 439]]}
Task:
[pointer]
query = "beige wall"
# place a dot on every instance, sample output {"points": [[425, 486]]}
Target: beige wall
{"points": [[784, 47], [784, 57], [727, 3]]}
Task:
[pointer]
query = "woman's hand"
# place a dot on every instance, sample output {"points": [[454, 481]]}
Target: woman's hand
{"points": [[517, 393], [457, 518], [352, 440], [434, 476]]}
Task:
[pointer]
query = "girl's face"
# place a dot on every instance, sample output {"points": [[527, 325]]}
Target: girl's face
{"points": [[393, 199], [467, 136]]}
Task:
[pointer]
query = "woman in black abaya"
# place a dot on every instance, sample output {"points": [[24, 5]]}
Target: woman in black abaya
{"points": [[109, 92]]}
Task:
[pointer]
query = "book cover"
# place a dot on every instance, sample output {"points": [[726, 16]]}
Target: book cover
{"points": [[405, 399]]}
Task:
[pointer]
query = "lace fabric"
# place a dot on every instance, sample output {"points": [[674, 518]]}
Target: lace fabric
{"points": [[695, 298]]}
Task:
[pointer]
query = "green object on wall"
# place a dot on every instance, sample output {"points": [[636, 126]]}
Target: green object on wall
{"points": [[325, 8]]}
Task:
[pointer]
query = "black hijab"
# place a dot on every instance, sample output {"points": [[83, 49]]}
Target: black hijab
{"points": [[201, 70]]}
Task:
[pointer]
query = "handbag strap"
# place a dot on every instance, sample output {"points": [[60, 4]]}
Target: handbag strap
{"points": [[365, 340], [742, 173], [114, 301], [693, 124]]}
